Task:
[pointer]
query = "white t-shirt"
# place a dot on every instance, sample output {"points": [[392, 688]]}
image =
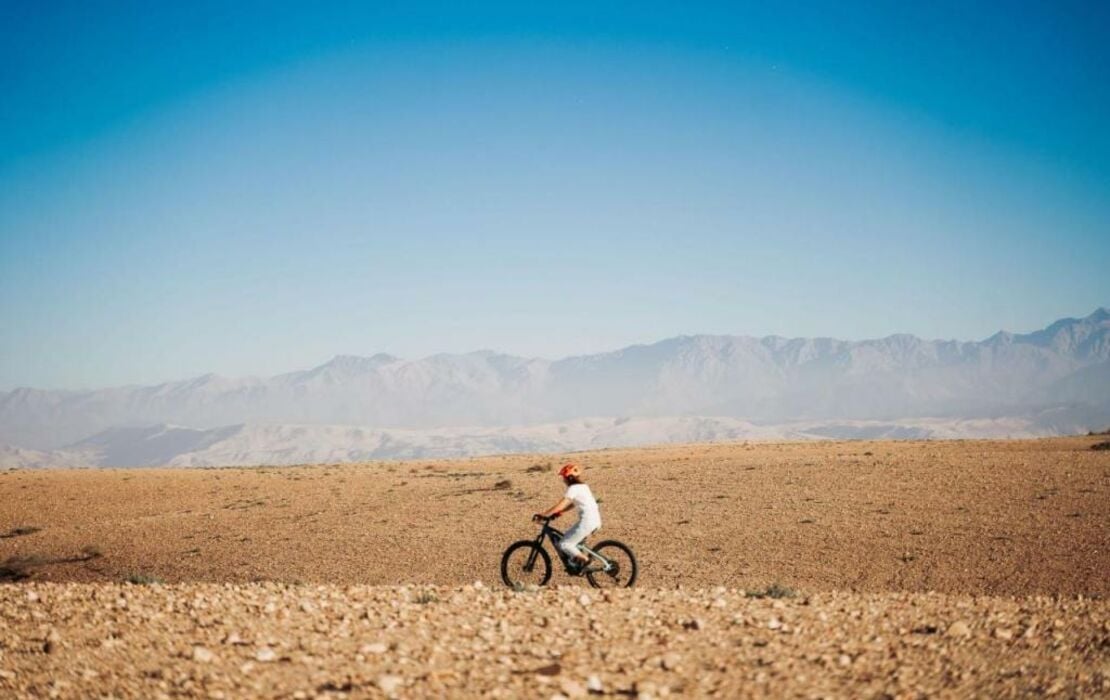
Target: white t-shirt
{"points": [[583, 499]]}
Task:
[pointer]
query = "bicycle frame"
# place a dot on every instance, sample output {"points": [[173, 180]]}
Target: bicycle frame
{"points": [[556, 535]]}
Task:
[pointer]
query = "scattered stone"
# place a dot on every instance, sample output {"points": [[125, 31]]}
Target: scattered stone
{"points": [[374, 641], [572, 688], [390, 684]]}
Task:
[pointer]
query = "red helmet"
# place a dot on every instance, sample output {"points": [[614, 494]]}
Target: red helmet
{"points": [[569, 470]]}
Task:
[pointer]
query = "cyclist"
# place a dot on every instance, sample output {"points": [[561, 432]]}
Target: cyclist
{"points": [[589, 517]]}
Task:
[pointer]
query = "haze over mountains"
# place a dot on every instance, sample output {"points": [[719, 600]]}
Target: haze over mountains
{"points": [[1052, 381]]}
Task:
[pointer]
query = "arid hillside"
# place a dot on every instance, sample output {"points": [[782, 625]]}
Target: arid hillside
{"points": [[966, 517]]}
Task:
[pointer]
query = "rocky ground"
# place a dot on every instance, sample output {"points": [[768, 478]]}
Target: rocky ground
{"points": [[965, 517], [902, 569], [290, 641]]}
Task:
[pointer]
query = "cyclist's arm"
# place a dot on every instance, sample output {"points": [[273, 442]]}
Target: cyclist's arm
{"points": [[560, 507]]}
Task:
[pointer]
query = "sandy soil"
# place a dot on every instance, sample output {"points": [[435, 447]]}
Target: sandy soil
{"points": [[1018, 518], [1011, 538]]}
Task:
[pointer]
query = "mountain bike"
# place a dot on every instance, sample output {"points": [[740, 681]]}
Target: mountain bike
{"points": [[611, 564]]}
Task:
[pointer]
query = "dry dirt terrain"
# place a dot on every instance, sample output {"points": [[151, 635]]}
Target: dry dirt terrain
{"points": [[951, 568]]}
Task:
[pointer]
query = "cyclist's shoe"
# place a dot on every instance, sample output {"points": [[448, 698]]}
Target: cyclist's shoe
{"points": [[575, 567]]}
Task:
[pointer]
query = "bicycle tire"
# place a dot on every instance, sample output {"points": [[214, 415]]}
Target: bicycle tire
{"points": [[596, 577], [543, 560]]}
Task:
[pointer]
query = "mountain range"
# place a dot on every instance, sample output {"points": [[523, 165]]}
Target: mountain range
{"points": [[1055, 380]]}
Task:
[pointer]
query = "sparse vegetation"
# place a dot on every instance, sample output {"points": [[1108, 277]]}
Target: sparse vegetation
{"points": [[143, 579], [20, 531], [503, 485], [426, 597], [1104, 445], [775, 590], [540, 467]]}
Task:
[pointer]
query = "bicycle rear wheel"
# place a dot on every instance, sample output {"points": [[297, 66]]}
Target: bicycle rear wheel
{"points": [[525, 563], [623, 569]]}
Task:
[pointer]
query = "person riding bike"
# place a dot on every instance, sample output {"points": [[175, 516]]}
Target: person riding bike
{"points": [[578, 496]]}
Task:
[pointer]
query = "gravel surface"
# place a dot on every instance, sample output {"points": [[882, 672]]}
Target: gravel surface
{"points": [[958, 569], [273, 640], [966, 517]]}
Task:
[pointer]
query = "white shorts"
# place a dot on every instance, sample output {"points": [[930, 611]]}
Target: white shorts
{"points": [[572, 537]]}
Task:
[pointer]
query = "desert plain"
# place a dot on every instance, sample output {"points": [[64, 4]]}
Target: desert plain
{"points": [[808, 569]]}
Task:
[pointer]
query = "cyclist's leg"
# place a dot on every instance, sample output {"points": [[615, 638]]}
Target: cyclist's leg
{"points": [[571, 539]]}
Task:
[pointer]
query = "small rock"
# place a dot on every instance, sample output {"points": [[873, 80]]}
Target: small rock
{"points": [[265, 654], [572, 688], [671, 660], [1003, 633], [202, 655], [390, 684], [774, 623], [32, 597], [373, 648], [844, 660], [958, 629], [594, 684], [478, 585], [584, 599]]}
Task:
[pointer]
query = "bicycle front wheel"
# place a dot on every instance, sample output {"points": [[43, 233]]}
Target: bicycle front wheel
{"points": [[524, 564], [621, 571]]}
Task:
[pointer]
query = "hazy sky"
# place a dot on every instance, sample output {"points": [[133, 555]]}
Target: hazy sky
{"points": [[247, 188]]}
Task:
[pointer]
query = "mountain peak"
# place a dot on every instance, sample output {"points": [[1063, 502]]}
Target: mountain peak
{"points": [[1099, 315], [358, 362]]}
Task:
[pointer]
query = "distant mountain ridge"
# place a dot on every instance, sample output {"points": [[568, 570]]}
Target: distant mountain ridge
{"points": [[1062, 370], [252, 445]]}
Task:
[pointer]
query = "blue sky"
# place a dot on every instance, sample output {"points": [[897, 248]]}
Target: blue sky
{"points": [[248, 188]]}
